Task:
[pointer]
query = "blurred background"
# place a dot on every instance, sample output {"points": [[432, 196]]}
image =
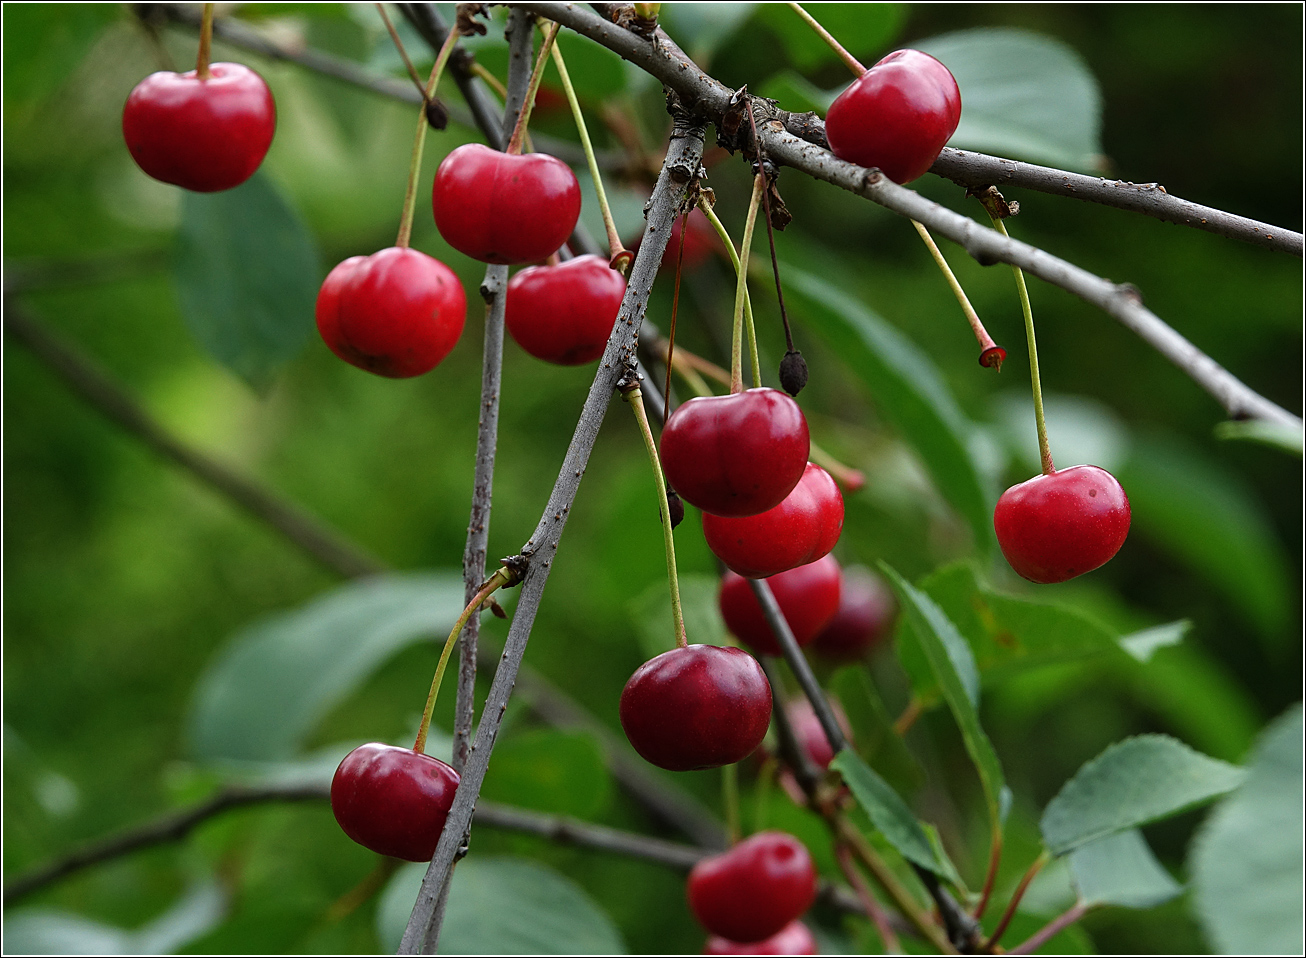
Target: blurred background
{"points": [[125, 577]]}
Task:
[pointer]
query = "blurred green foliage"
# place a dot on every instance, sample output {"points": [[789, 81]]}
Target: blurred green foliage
{"points": [[125, 578]]}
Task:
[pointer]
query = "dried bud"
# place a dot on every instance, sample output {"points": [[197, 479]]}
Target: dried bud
{"points": [[436, 114], [675, 507], [793, 372], [993, 358]]}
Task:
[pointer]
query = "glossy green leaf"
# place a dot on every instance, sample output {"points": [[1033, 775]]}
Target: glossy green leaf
{"points": [[560, 772], [1023, 95], [1246, 862], [954, 669], [1272, 434], [888, 812], [503, 906], [1121, 870], [1140, 780], [273, 681], [247, 275], [908, 389], [863, 29]]}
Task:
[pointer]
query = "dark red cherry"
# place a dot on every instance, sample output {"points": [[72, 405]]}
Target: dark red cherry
{"points": [[736, 455], [393, 800], [698, 707], [800, 530], [395, 313], [500, 208], [794, 938], [1054, 527], [755, 889], [203, 135], [898, 115], [867, 608], [808, 596], [564, 314]]}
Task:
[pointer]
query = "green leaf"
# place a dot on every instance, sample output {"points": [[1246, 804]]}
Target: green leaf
{"points": [[596, 72], [795, 92], [862, 29], [1142, 644], [44, 43], [559, 772], [1121, 870], [954, 669], [1273, 434], [1023, 95], [273, 681], [650, 612], [888, 812], [1140, 780], [908, 389], [247, 274], [504, 906], [1246, 862], [873, 733], [701, 28]]}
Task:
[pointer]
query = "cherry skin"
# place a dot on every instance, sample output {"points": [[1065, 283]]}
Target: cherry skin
{"points": [[864, 619], [203, 135], [736, 455], [800, 530], [393, 800], [396, 313], [897, 116], [564, 314], [811, 736], [501, 208], [794, 938], [702, 706], [808, 596], [755, 889], [1054, 527]]}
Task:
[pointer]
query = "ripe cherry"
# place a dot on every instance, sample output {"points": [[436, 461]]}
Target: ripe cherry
{"points": [[864, 618], [898, 115], [702, 706], [794, 938], [395, 313], [800, 530], [504, 208], [393, 800], [811, 736], [808, 596], [755, 889], [736, 455], [1054, 527], [203, 135], [564, 314]]}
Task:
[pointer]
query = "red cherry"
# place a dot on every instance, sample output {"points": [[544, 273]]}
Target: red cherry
{"points": [[501, 208], [867, 608], [203, 135], [755, 889], [393, 800], [794, 938], [1054, 527], [736, 455], [702, 706], [811, 736], [808, 596], [799, 531], [564, 314], [898, 115], [395, 313]]}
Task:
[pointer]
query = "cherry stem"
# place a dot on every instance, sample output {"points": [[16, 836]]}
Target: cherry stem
{"points": [[685, 367], [850, 60], [403, 54], [1044, 451], [720, 228], [852, 479], [524, 117], [987, 345], [995, 856], [636, 400], [675, 310], [1051, 930], [741, 297], [502, 577], [903, 723], [730, 799], [1010, 911], [881, 921], [419, 142], [770, 234], [206, 42], [490, 79], [621, 257]]}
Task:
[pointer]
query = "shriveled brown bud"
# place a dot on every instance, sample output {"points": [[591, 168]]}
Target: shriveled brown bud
{"points": [[675, 507], [793, 372]]}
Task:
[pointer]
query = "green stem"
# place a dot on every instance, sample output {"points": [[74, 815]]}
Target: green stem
{"points": [[824, 34], [636, 400], [730, 798], [991, 354], [620, 256], [995, 857], [415, 163], [501, 578], [720, 228], [1044, 451], [741, 295], [399, 45], [675, 312], [206, 43], [1010, 913], [524, 117], [895, 889]]}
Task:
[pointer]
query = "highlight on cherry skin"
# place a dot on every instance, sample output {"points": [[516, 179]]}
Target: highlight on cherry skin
{"points": [[808, 597], [564, 314], [393, 800], [755, 889], [202, 135], [897, 116], [1057, 526], [794, 938]]}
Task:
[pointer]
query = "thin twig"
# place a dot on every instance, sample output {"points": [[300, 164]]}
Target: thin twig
{"points": [[1014, 903], [1050, 930], [878, 917]]}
